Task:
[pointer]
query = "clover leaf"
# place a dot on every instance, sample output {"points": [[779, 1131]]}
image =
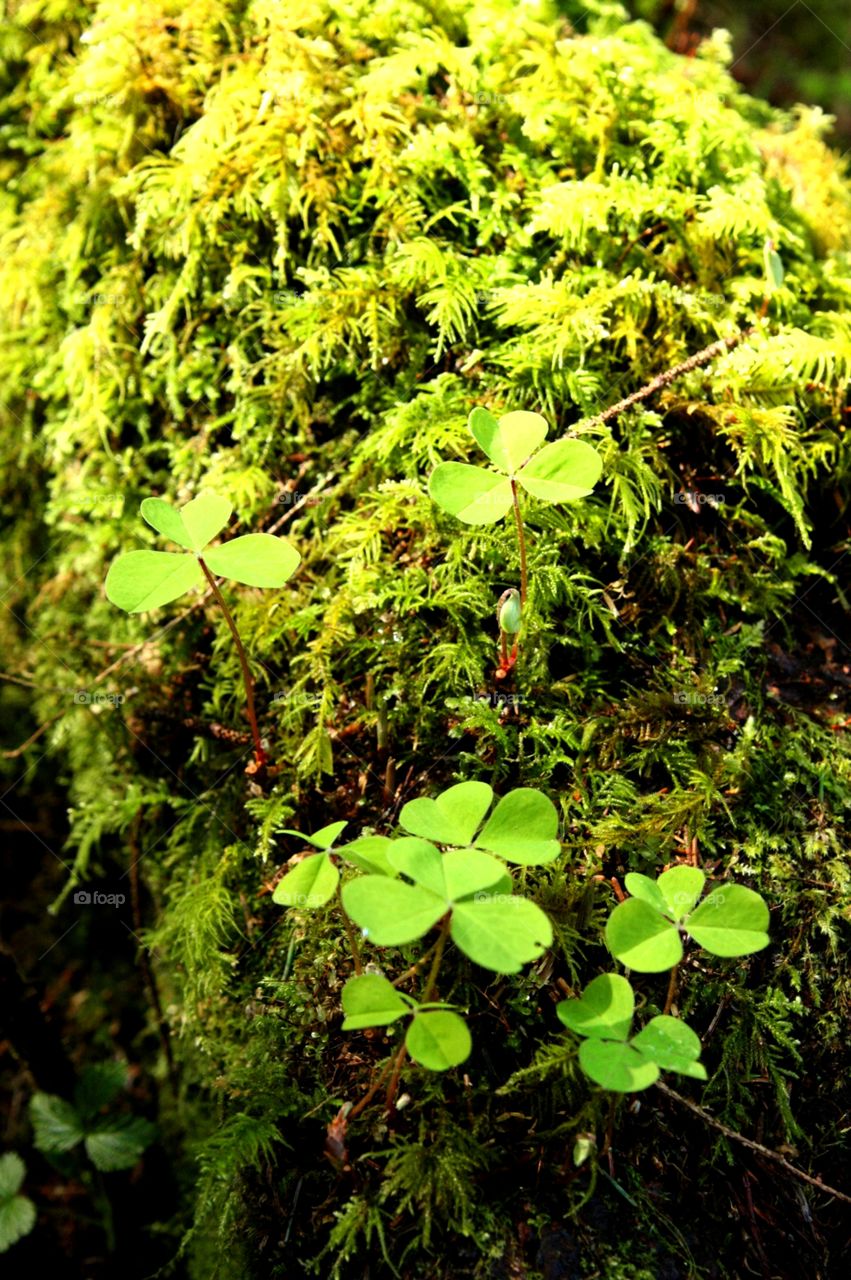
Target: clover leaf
{"points": [[521, 829], [488, 923], [602, 1015], [313, 881], [142, 580], [562, 471], [644, 932], [436, 1038]]}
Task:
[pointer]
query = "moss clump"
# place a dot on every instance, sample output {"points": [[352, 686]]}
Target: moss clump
{"points": [[281, 251]]}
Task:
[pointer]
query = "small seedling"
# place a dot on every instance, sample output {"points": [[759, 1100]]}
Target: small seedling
{"points": [[644, 932], [562, 471], [436, 1037], [110, 1141], [141, 580], [602, 1016]]}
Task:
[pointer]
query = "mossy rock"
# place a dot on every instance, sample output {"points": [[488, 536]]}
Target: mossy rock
{"points": [[281, 251]]}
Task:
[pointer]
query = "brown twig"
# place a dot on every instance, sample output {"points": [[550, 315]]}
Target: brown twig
{"points": [[753, 1146]]}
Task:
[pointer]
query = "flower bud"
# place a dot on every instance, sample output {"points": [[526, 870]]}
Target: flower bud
{"points": [[508, 612]]}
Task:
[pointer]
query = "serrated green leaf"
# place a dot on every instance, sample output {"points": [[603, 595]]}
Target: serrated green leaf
{"points": [[562, 471], [438, 1040], [370, 1000], [501, 933], [522, 828], [12, 1173], [616, 1066], [604, 1009], [255, 560], [56, 1124], [17, 1219], [642, 939], [311, 883], [142, 580], [453, 817], [119, 1144], [389, 912], [99, 1085], [472, 494], [731, 921]]}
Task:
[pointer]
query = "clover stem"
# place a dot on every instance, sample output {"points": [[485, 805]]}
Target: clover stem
{"points": [[351, 935], [521, 542], [431, 981], [394, 1079], [672, 989], [259, 753]]}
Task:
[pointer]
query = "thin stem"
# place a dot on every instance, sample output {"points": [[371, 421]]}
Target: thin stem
{"points": [[431, 981], [521, 542], [351, 935], [672, 990], [248, 681], [394, 1079]]}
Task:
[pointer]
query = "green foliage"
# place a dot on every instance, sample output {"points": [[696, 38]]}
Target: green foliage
{"points": [[17, 1212], [603, 1016], [644, 931], [110, 1141]]}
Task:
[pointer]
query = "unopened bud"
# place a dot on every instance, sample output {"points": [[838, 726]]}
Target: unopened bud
{"points": [[509, 612]]}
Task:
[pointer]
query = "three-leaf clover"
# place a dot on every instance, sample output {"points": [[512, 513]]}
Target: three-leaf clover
{"points": [[559, 472], [141, 580], [436, 1038], [313, 881], [603, 1017], [523, 827], [644, 932], [17, 1212]]}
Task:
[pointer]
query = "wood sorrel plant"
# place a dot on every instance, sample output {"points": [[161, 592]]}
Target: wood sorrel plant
{"points": [[141, 580], [644, 933], [562, 471]]}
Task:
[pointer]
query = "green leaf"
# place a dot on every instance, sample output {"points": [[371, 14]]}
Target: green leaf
{"points": [[672, 1045], [523, 828], [311, 883], [470, 493], [731, 921], [142, 580], [255, 559], [389, 912], [204, 517], [453, 817], [510, 441], [640, 886], [604, 1009], [12, 1173], [370, 854], [120, 1144], [562, 471], [56, 1124], [420, 861], [501, 933], [616, 1066], [17, 1219], [194, 524], [680, 887], [99, 1085], [322, 839], [774, 273], [370, 1000], [438, 1040], [468, 871], [642, 939]]}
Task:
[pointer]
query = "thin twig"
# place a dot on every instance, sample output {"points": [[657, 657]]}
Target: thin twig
{"points": [[754, 1146], [247, 678]]}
